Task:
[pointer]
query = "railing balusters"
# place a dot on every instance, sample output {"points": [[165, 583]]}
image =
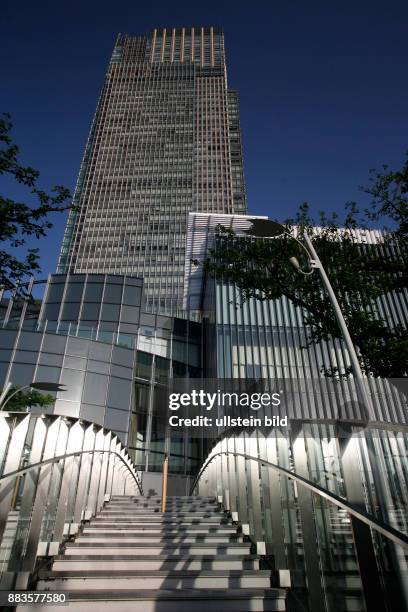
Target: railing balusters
{"points": [[58, 471]]}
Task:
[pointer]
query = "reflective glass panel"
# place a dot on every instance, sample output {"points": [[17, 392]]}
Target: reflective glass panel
{"points": [[90, 312], [74, 292], [132, 295], [55, 292], [93, 292], [110, 312], [113, 294]]}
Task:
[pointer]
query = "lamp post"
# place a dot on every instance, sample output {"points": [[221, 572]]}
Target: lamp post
{"points": [[38, 386], [267, 228]]}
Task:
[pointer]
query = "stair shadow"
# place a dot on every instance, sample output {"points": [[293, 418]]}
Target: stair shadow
{"points": [[184, 583]]}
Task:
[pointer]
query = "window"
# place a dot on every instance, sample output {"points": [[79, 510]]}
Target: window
{"points": [[95, 388], [25, 357], [132, 295], [144, 364], [47, 374], [70, 311], [113, 294], [116, 419], [99, 351], [90, 312], [51, 312], [74, 292], [55, 291], [49, 359], [76, 346], [29, 341], [92, 413], [75, 363], [73, 380], [93, 292], [110, 312], [53, 344], [21, 374], [122, 356], [129, 314]]}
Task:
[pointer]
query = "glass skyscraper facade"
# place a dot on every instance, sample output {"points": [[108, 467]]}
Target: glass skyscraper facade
{"points": [[130, 315], [165, 140]]}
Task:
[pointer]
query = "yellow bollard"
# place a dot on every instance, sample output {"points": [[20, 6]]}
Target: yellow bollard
{"points": [[164, 483]]}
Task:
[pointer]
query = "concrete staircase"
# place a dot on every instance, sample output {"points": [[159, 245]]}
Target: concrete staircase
{"points": [[131, 557]]}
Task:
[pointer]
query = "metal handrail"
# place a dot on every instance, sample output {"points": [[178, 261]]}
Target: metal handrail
{"points": [[386, 530], [33, 466]]}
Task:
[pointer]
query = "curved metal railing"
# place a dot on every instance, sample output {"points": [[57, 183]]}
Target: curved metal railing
{"points": [[386, 530], [56, 472], [324, 501], [34, 466]]}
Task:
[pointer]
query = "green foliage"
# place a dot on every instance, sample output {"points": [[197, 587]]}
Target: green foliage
{"points": [[20, 401], [19, 220], [359, 273]]}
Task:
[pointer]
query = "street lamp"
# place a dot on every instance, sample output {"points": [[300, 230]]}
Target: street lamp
{"points": [[39, 386], [267, 228]]}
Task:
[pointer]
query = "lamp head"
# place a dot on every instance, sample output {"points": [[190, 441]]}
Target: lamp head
{"points": [[265, 228], [295, 263], [47, 386]]}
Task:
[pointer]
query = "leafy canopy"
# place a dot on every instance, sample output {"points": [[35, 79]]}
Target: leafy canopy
{"points": [[20, 401], [360, 273], [19, 220]]}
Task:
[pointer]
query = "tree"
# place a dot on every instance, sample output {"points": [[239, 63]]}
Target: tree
{"points": [[360, 273], [18, 220], [20, 401]]}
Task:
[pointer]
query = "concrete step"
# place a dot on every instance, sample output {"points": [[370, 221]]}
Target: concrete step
{"points": [[164, 600], [142, 579], [154, 511], [137, 559], [158, 529], [118, 564], [170, 500], [147, 548], [114, 538], [157, 501], [135, 526], [169, 508], [169, 504], [158, 520], [157, 498]]}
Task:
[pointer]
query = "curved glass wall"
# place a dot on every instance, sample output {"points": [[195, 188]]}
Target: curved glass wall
{"points": [[91, 334]]}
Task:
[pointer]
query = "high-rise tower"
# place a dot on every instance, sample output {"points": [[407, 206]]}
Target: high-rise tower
{"points": [[165, 140]]}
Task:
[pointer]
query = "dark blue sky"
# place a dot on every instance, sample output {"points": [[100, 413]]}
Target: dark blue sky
{"points": [[323, 88]]}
